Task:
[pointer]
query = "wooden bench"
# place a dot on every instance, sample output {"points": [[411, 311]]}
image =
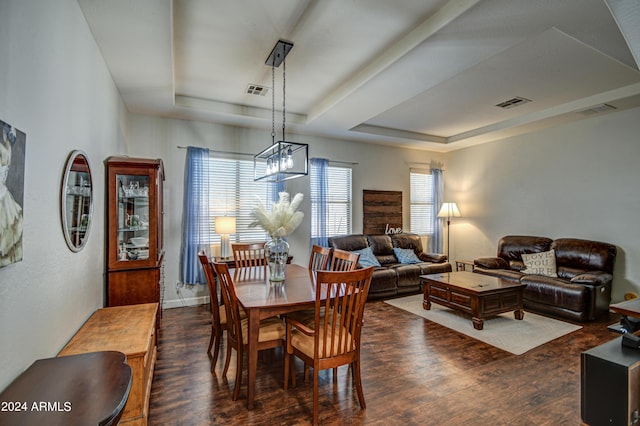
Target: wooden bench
{"points": [[131, 330]]}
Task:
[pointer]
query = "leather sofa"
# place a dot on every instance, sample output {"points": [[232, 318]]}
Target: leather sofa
{"points": [[582, 289], [393, 278]]}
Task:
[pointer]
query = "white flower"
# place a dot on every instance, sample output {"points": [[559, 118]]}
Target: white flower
{"points": [[283, 218]]}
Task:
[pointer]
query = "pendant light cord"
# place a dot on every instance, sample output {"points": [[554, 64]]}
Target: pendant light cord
{"points": [[273, 103], [284, 95]]}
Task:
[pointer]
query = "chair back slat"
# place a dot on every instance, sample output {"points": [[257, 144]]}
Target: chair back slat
{"points": [[319, 259], [341, 296], [342, 260], [248, 254]]}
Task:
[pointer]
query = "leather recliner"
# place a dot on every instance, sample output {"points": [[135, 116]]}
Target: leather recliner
{"points": [[582, 290]]}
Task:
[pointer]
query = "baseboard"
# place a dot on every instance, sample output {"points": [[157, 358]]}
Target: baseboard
{"points": [[181, 303]]}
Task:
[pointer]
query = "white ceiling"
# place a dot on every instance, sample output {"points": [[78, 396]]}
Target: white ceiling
{"points": [[425, 74]]}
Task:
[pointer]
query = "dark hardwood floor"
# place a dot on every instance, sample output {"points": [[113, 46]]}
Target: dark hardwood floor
{"points": [[413, 372]]}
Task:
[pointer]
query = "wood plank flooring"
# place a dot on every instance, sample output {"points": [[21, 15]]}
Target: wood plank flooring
{"points": [[413, 371]]}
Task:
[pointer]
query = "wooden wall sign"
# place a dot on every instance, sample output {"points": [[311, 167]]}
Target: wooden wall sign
{"points": [[382, 212]]}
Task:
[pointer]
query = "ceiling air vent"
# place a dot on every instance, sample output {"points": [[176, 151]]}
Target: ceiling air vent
{"points": [[513, 102], [597, 109], [256, 89]]}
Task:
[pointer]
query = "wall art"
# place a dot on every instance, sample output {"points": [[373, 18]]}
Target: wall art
{"points": [[12, 155]]}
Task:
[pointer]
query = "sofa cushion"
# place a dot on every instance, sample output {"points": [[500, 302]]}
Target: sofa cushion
{"points": [[348, 242], [367, 258], [406, 256], [408, 275], [506, 274], [575, 256], [407, 241], [383, 248], [543, 263], [555, 292], [512, 247], [383, 280]]}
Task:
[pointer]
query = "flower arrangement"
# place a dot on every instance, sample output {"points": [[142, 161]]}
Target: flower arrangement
{"points": [[283, 218]]}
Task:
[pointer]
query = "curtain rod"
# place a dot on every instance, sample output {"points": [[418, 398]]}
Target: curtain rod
{"points": [[251, 155]]}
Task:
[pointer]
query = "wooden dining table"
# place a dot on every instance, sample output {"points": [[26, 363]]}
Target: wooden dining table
{"points": [[262, 299]]}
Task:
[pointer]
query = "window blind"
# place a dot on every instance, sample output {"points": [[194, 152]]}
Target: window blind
{"points": [[338, 202], [233, 192], [422, 209]]}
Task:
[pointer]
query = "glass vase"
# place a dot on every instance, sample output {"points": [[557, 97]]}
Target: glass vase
{"points": [[276, 251]]}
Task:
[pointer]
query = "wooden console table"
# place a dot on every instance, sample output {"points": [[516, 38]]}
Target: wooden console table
{"points": [[85, 389], [129, 329]]}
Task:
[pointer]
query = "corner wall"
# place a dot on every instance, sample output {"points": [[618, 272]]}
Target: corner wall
{"points": [[578, 180], [55, 87]]}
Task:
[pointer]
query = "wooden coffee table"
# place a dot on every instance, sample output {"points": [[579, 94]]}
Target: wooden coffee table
{"points": [[479, 295]]}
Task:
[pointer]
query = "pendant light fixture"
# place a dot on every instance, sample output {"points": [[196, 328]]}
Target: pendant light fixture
{"points": [[282, 160]]}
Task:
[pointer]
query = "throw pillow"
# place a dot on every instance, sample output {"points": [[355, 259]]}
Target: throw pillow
{"points": [[406, 255], [367, 258], [540, 263]]}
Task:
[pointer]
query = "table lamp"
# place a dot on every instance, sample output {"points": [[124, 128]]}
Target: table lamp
{"points": [[225, 225], [448, 210]]}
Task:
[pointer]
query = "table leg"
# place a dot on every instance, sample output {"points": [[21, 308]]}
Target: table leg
{"points": [[519, 314], [252, 339], [478, 323]]}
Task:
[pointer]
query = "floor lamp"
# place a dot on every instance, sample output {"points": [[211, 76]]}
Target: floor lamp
{"points": [[225, 225], [448, 210]]}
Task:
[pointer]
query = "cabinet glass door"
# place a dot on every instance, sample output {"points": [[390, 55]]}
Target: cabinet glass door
{"points": [[132, 217]]}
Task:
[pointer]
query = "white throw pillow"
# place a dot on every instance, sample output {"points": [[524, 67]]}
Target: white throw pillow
{"points": [[540, 263]]}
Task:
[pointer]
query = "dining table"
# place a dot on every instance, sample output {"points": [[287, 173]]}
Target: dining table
{"points": [[261, 298]]}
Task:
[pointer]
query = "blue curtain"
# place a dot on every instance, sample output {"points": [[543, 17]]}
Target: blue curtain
{"points": [[195, 208], [321, 181], [278, 187], [438, 199]]}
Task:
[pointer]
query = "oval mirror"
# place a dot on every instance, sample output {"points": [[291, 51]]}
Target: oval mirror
{"points": [[76, 203]]}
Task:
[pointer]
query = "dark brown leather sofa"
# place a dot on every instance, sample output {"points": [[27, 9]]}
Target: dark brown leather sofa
{"points": [[392, 277], [582, 290]]}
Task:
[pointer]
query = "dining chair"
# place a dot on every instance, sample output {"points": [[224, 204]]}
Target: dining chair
{"points": [[248, 254], [334, 338], [319, 259], [218, 314], [270, 335], [342, 260]]}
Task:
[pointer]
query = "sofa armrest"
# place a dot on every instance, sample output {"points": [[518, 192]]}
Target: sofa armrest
{"points": [[593, 278], [491, 263], [433, 257]]}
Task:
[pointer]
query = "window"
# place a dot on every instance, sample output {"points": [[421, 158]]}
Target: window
{"points": [[422, 203], [337, 202], [233, 192]]}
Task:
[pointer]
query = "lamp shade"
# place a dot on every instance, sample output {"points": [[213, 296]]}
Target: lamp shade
{"points": [[449, 210], [225, 225]]}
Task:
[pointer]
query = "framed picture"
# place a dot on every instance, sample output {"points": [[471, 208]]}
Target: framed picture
{"points": [[12, 154], [381, 212]]}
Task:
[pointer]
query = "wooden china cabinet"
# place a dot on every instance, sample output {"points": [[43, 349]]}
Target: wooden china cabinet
{"points": [[135, 250]]}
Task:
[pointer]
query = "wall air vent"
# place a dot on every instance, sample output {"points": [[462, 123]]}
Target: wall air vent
{"points": [[513, 102], [256, 89], [597, 109]]}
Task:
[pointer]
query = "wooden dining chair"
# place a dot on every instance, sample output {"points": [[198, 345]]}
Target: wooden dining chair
{"points": [[334, 338], [218, 314], [319, 259], [270, 335], [248, 254], [342, 260]]}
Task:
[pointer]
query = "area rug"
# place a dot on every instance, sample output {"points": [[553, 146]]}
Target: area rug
{"points": [[502, 331]]}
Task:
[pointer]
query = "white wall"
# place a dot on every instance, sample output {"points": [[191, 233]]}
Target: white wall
{"points": [[579, 180], [377, 167], [55, 87]]}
